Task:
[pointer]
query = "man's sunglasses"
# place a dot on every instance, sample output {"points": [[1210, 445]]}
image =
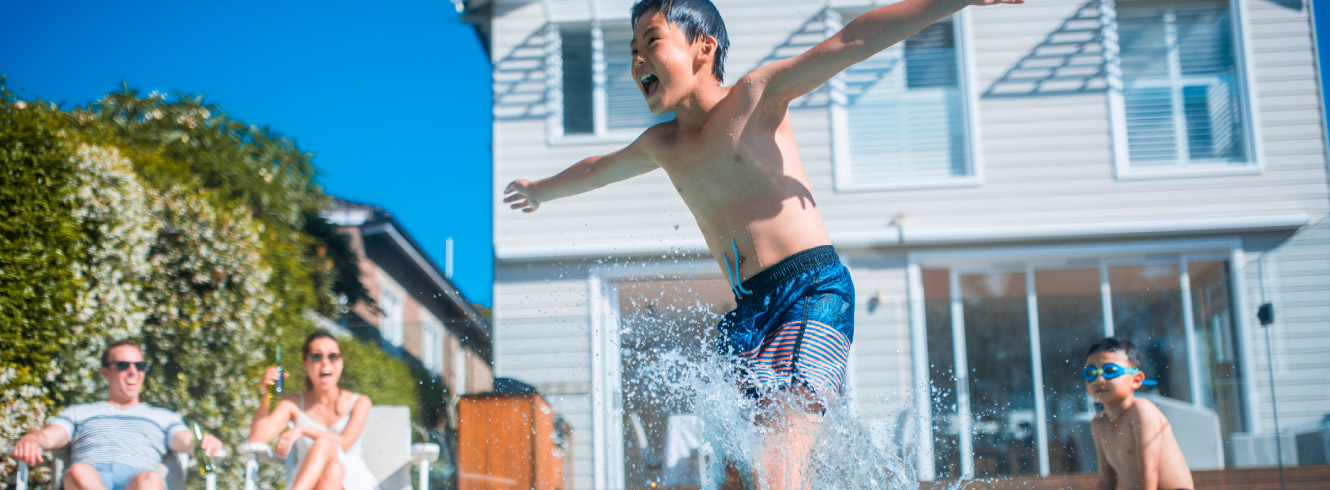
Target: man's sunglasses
{"points": [[123, 366], [318, 357], [1111, 371]]}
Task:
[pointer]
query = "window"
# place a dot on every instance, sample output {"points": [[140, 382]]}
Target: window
{"points": [[1006, 343], [899, 118], [431, 345], [1182, 99], [390, 326], [594, 84]]}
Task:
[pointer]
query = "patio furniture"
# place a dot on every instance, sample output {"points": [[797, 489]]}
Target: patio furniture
{"points": [[386, 441], [173, 468]]}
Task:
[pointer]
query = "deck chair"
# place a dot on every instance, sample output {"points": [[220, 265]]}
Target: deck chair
{"points": [[172, 468], [1196, 429], [386, 441]]}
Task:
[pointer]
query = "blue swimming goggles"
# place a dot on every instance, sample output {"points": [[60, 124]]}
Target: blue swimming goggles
{"points": [[1110, 371]]}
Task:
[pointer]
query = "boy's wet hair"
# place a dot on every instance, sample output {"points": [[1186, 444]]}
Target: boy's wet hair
{"points": [[697, 18], [1114, 344]]}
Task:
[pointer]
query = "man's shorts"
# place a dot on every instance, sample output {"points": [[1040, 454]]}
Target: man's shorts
{"points": [[795, 326], [116, 476]]}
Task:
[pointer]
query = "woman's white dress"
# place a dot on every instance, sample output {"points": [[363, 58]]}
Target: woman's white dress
{"points": [[356, 474]]}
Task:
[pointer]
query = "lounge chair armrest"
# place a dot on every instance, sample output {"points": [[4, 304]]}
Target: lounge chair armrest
{"points": [[257, 450], [425, 452]]}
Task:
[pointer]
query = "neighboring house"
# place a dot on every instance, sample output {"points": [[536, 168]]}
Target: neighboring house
{"points": [[418, 312], [1006, 187]]}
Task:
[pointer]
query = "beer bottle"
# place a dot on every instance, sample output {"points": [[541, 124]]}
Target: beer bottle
{"points": [[200, 457], [277, 390]]}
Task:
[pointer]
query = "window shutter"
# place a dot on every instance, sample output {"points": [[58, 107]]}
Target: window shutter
{"points": [[578, 111], [1181, 90], [904, 111], [625, 107]]}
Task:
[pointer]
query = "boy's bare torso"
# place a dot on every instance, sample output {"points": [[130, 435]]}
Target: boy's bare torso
{"points": [[1123, 440], [742, 178]]}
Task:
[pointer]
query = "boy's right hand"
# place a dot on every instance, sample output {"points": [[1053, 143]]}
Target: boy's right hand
{"points": [[269, 379], [520, 195]]}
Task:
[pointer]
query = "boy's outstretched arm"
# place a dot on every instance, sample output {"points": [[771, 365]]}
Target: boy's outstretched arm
{"points": [[864, 36], [590, 173]]}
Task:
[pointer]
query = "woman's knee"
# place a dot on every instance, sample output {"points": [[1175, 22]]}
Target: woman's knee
{"points": [[323, 448]]}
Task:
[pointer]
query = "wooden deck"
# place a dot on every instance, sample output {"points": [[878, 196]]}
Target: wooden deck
{"points": [[1295, 478]]}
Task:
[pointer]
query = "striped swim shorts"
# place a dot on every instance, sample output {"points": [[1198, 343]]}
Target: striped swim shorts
{"points": [[793, 325]]}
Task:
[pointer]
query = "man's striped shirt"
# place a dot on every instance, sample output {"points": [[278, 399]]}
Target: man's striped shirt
{"points": [[101, 433]]}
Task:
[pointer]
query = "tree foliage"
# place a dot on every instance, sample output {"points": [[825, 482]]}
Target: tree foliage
{"points": [[168, 222]]}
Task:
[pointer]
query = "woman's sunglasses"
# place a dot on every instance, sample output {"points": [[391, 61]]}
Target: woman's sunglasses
{"points": [[1111, 371], [123, 366], [318, 357]]}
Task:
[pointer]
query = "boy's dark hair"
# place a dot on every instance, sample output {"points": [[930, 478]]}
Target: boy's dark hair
{"points": [[106, 353], [1114, 344], [696, 18]]}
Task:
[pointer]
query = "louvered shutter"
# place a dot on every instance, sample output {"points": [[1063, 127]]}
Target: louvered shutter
{"points": [[625, 108], [578, 110], [904, 112], [1180, 84]]}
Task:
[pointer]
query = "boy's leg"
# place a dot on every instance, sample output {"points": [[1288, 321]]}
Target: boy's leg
{"points": [[788, 424]]}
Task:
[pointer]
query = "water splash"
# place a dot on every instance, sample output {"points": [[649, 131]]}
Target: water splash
{"points": [[845, 452]]}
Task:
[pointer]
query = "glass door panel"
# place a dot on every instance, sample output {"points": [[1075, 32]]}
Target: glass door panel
{"points": [[1071, 317], [997, 340], [1147, 310], [657, 318], [942, 372], [1213, 316]]}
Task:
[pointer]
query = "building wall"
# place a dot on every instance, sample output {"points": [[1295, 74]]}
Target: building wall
{"points": [[1046, 160]]}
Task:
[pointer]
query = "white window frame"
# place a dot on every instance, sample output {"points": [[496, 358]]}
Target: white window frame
{"points": [[601, 133], [1117, 110], [839, 119], [1036, 258], [431, 345], [459, 370], [393, 303]]}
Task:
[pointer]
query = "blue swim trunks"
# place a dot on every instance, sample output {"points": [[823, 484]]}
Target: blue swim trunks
{"points": [[793, 324]]}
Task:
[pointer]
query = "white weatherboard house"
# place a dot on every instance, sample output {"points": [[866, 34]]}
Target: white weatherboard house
{"points": [[1006, 187]]}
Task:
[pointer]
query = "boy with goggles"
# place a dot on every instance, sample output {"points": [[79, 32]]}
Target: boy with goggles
{"points": [[1133, 440]]}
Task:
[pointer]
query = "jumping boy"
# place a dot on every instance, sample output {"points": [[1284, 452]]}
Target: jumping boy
{"points": [[1133, 439], [731, 155]]}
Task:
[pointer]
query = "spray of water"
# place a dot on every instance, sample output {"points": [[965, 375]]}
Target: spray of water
{"points": [[845, 452]]}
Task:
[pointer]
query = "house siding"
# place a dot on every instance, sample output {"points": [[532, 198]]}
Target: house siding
{"points": [[1046, 158]]}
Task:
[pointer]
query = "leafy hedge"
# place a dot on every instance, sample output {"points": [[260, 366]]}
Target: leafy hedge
{"points": [[168, 222]]}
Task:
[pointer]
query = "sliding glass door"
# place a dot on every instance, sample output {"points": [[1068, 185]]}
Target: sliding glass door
{"points": [[1007, 340]]}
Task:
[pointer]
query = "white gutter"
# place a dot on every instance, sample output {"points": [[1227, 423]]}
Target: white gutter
{"points": [[895, 236]]}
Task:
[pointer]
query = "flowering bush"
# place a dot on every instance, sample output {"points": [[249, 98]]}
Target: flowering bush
{"points": [[111, 207]]}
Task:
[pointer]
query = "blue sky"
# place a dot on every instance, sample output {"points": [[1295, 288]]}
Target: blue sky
{"points": [[392, 99]]}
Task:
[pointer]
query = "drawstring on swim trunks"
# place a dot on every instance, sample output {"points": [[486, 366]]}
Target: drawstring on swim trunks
{"points": [[735, 284]]}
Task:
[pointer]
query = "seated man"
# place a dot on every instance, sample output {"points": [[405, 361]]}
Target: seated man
{"points": [[117, 443]]}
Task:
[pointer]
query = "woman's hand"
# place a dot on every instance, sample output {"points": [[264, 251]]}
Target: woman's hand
{"points": [[287, 441], [269, 379]]}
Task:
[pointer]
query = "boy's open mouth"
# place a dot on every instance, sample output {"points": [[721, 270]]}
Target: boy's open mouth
{"points": [[649, 83]]}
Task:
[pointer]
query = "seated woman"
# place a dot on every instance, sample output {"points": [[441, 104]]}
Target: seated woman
{"points": [[323, 424]]}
